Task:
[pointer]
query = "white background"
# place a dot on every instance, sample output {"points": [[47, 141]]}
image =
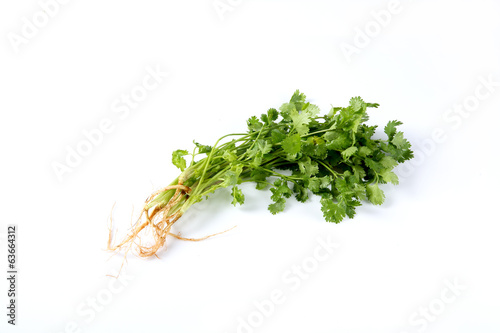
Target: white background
{"points": [[440, 224]]}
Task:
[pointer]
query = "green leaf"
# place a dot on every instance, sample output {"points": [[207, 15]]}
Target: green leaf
{"points": [[259, 176], [272, 114], [259, 149], [333, 111], [261, 146], [375, 194], [238, 197], [301, 121], [342, 187], [402, 151], [359, 172], [202, 149], [313, 184], [286, 109], [229, 155], [280, 192], [349, 206], [298, 99], [317, 183], [232, 176], [367, 132], [377, 167], [270, 117], [254, 125], [277, 207], [359, 191], [178, 159], [349, 152], [388, 162], [337, 140], [399, 140], [332, 211], [291, 145], [315, 146], [277, 136], [308, 167], [364, 151], [390, 128], [300, 193], [390, 177], [356, 103], [281, 189], [312, 110]]}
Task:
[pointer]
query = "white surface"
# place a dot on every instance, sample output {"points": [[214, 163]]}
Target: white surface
{"points": [[440, 224]]}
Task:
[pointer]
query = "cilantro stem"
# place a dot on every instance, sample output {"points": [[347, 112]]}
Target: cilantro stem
{"points": [[309, 134], [334, 173]]}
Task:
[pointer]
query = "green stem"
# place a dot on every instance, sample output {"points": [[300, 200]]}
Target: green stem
{"points": [[335, 174]]}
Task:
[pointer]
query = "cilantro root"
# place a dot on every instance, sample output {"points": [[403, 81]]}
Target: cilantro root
{"points": [[333, 156]]}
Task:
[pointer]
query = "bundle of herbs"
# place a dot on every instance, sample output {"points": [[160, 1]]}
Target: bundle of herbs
{"points": [[333, 156]]}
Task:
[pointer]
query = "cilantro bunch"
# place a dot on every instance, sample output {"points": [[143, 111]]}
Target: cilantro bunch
{"points": [[290, 151]]}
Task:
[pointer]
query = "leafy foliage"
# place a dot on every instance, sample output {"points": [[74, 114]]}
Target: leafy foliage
{"points": [[178, 159], [333, 156]]}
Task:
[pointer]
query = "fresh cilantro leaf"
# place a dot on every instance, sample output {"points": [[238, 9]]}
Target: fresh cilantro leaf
{"points": [[178, 159], [402, 151], [349, 205], [238, 197], [356, 103], [202, 149], [377, 167], [342, 187], [337, 140], [390, 177], [301, 121], [277, 206], [375, 194], [261, 146], [286, 110], [229, 155], [388, 162], [298, 99], [254, 125], [349, 152], [390, 128], [232, 176], [315, 146], [359, 191], [259, 176], [308, 167], [300, 193], [291, 145], [332, 211], [398, 140], [359, 172], [281, 189], [317, 183], [364, 151], [277, 136], [312, 110], [272, 115]]}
